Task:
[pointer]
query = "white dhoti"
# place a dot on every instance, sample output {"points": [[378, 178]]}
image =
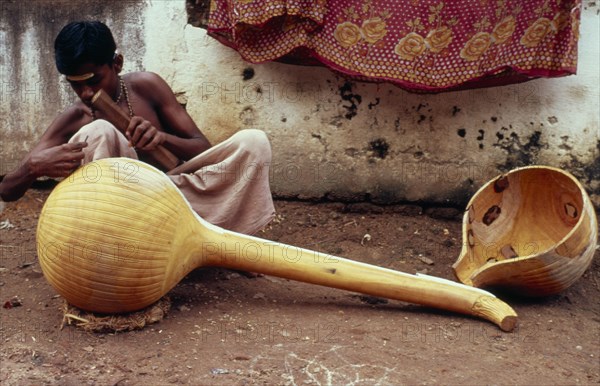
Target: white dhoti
{"points": [[230, 188]]}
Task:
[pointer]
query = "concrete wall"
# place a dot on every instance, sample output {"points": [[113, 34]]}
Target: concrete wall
{"points": [[331, 138]]}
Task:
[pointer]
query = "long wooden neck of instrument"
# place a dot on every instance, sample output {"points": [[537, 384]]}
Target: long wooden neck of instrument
{"points": [[241, 252], [113, 114]]}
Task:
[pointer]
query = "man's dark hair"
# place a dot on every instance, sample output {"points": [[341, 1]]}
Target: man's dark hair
{"points": [[83, 42]]}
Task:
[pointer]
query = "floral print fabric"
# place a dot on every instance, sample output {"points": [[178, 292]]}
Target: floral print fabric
{"points": [[428, 45]]}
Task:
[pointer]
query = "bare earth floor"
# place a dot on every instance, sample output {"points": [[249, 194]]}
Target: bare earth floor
{"points": [[226, 328]]}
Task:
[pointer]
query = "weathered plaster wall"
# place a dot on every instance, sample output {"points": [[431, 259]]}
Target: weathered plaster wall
{"points": [[339, 139], [331, 138]]}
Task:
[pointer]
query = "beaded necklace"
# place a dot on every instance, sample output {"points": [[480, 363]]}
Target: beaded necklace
{"points": [[122, 90]]}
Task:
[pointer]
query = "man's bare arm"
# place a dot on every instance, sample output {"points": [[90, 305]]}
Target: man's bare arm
{"points": [[182, 136], [51, 157]]}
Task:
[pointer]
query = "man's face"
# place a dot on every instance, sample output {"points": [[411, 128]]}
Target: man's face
{"points": [[89, 78]]}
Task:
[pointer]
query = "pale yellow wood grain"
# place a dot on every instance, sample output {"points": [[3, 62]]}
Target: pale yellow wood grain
{"points": [[546, 219], [117, 235]]}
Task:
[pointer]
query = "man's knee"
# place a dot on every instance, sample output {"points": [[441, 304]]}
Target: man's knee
{"points": [[103, 140], [99, 129], [254, 142]]}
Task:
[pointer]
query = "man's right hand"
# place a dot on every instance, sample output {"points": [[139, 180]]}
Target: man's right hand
{"points": [[57, 161]]}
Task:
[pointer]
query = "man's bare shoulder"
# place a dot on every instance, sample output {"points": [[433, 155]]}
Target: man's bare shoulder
{"points": [[144, 80], [70, 121], [149, 84], [143, 77]]}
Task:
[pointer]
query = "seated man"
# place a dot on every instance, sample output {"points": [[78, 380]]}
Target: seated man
{"points": [[230, 187]]}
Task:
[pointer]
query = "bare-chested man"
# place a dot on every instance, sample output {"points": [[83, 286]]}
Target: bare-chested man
{"points": [[231, 189]]}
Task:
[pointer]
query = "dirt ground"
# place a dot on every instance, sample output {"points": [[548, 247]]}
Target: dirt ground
{"points": [[226, 328]]}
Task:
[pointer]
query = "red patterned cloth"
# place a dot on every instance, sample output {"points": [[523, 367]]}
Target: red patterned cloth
{"points": [[426, 45]]}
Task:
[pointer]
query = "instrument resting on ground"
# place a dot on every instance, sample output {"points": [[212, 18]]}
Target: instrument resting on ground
{"points": [[532, 231], [117, 235]]}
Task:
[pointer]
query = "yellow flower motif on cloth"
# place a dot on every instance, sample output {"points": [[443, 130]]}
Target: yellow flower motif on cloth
{"points": [[575, 27], [504, 30], [560, 21], [438, 39], [476, 46], [410, 46], [373, 30], [347, 34], [536, 32]]}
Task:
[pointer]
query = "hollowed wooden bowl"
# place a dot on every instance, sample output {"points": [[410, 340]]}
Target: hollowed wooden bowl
{"points": [[532, 231]]}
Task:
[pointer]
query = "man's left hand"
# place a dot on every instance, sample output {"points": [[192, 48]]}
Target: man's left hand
{"points": [[143, 135]]}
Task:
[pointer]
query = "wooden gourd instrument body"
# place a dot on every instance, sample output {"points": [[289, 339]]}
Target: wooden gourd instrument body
{"points": [[532, 231], [117, 235]]}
